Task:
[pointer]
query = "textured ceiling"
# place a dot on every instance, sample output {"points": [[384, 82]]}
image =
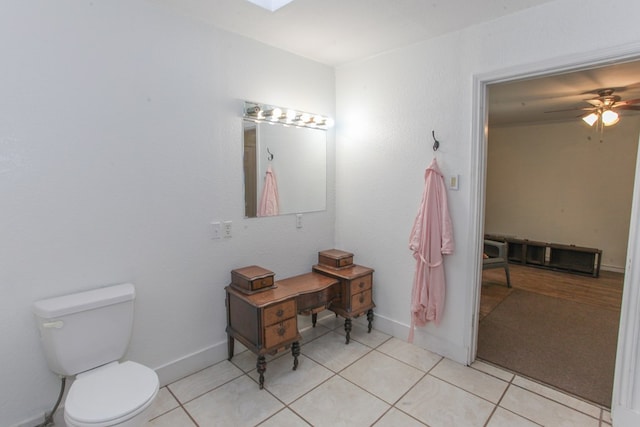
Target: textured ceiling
{"points": [[336, 32], [529, 101]]}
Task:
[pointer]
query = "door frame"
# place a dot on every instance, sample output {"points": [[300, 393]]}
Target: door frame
{"points": [[626, 390]]}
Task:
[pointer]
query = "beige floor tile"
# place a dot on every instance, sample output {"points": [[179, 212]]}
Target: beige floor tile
{"points": [[395, 418], [247, 360], [439, 404], [237, 403], [285, 418], [471, 380], [544, 411], [287, 384], [310, 333], [331, 321], [360, 333], [559, 397], [164, 403], [503, 418], [175, 418], [382, 375], [203, 381], [410, 354], [337, 403], [330, 351], [492, 370], [606, 416]]}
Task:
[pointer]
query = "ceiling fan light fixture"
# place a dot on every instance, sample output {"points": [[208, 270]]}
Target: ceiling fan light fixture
{"points": [[590, 119], [610, 117]]}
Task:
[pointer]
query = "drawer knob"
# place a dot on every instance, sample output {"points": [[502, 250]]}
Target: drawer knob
{"points": [[361, 285], [279, 313], [361, 299], [281, 331]]}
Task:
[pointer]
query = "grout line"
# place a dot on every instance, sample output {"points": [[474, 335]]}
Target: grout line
{"points": [[371, 349], [183, 408]]}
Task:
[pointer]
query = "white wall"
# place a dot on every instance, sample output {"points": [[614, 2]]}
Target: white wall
{"points": [[120, 141], [558, 183], [386, 108]]}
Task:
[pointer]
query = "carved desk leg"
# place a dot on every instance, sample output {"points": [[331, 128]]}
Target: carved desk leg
{"points": [[347, 328], [370, 318], [295, 351], [314, 319], [262, 367]]}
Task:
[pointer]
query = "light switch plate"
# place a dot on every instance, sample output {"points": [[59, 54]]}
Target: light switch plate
{"points": [[454, 182]]}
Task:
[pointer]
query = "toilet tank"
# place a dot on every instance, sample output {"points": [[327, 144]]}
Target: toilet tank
{"points": [[85, 330]]}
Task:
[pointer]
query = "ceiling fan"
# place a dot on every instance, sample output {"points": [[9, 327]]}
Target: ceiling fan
{"points": [[603, 108]]}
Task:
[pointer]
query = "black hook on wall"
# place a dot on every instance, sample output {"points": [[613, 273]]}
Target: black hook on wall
{"points": [[270, 156], [436, 143]]}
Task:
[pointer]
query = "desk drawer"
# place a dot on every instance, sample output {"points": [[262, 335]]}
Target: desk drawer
{"points": [[280, 333], [360, 301], [278, 312], [361, 284]]}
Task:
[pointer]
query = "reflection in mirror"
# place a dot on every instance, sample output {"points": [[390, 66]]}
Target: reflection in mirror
{"points": [[285, 169]]}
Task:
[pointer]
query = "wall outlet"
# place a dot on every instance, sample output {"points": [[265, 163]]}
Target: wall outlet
{"points": [[216, 229], [226, 229]]}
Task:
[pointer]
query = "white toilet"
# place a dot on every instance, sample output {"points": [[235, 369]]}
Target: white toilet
{"points": [[86, 334]]}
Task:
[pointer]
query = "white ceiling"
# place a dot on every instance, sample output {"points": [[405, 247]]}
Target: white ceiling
{"points": [[335, 32]]}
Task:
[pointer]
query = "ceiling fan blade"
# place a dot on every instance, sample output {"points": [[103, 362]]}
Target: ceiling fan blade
{"points": [[627, 102], [572, 109], [629, 107]]}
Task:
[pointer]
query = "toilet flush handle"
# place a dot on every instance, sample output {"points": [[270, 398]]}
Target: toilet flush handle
{"points": [[55, 324]]}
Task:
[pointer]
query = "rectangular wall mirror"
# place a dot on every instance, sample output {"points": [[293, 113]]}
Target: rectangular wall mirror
{"points": [[297, 158]]}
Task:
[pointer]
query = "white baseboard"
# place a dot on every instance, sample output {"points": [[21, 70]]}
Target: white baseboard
{"points": [[191, 363], [58, 419], [422, 338], [612, 268]]}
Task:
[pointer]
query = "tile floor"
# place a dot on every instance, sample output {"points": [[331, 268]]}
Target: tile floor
{"points": [[375, 380]]}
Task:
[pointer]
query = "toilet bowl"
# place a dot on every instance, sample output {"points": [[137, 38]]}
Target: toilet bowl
{"points": [[86, 335], [117, 394]]}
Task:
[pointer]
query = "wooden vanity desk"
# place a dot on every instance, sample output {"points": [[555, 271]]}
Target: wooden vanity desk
{"points": [[355, 296], [266, 321]]}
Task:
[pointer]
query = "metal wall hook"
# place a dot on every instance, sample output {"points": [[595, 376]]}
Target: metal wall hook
{"points": [[436, 143], [270, 156]]}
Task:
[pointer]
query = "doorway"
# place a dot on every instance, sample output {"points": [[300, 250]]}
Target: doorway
{"points": [[627, 350]]}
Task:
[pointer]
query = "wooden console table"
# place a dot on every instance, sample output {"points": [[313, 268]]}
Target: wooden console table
{"points": [[266, 322]]}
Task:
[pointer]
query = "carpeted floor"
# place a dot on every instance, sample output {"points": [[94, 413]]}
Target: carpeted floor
{"points": [[521, 334]]}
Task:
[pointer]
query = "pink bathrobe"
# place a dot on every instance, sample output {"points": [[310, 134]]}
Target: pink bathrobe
{"points": [[269, 199], [431, 238]]}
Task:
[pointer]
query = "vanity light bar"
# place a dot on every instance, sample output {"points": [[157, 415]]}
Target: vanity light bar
{"points": [[286, 116]]}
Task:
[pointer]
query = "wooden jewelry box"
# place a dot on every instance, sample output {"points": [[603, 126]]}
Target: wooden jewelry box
{"points": [[252, 279], [335, 258]]}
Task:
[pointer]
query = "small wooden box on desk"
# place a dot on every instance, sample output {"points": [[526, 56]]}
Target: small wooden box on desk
{"points": [[356, 286]]}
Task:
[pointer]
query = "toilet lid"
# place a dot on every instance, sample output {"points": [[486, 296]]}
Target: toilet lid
{"points": [[111, 392]]}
